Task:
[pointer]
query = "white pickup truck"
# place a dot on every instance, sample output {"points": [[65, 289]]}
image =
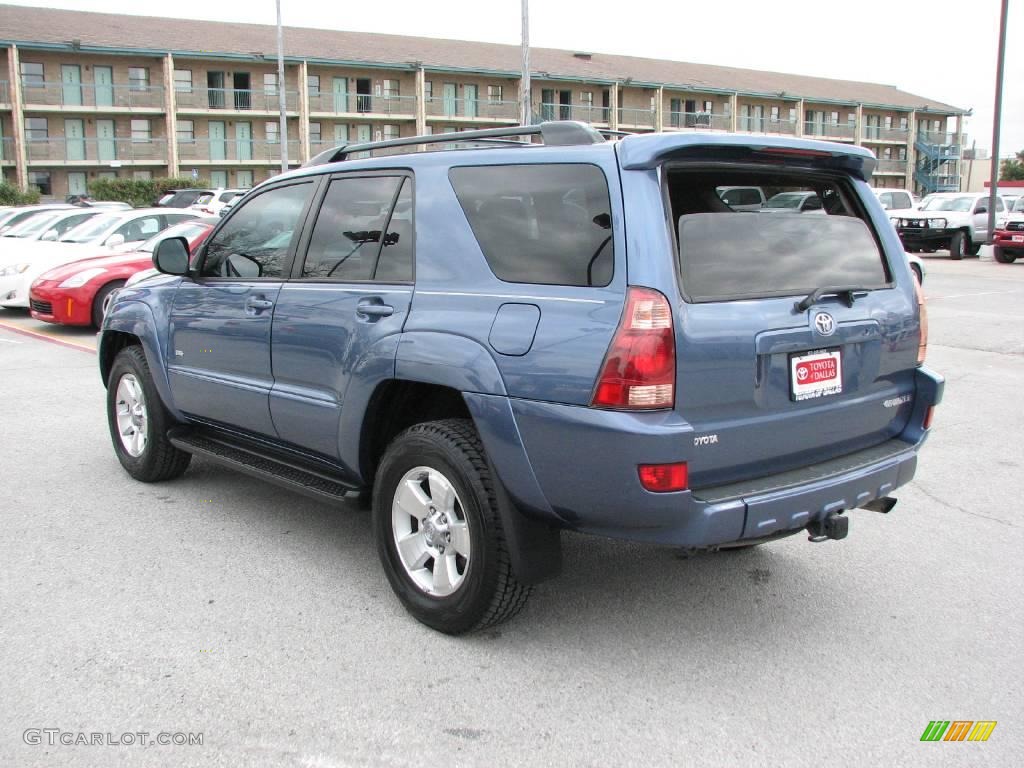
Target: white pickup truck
{"points": [[954, 220]]}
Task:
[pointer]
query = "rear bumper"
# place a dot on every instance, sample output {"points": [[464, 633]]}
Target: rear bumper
{"points": [[1004, 240], [577, 467]]}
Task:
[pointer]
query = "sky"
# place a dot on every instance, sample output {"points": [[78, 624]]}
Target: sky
{"points": [[942, 49]]}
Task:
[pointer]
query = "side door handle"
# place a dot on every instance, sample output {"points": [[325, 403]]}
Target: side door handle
{"points": [[257, 304], [374, 308]]}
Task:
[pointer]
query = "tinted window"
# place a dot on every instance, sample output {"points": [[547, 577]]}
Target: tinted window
{"points": [[347, 236], [139, 229], [901, 200], [256, 240], [546, 224], [395, 262], [731, 256]]}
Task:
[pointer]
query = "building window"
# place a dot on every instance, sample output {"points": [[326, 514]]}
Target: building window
{"points": [[138, 78], [901, 154], [390, 89], [586, 98], [496, 93], [774, 114], [313, 84], [391, 132], [834, 117], [41, 181], [243, 179], [36, 129], [185, 130], [888, 123], [851, 118], [314, 133], [428, 89], [32, 75], [904, 123], [183, 80], [270, 82], [142, 175], [792, 115], [273, 132], [709, 107], [142, 132]]}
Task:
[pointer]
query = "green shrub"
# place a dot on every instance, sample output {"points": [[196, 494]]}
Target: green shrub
{"points": [[11, 195], [139, 193]]}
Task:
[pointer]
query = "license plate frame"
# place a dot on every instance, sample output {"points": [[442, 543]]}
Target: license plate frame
{"points": [[1017, 238], [815, 374]]}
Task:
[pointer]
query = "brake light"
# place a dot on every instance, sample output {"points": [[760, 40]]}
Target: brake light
{"points": [[922, 347], [928, 417], [664, 478], [639, 370]]}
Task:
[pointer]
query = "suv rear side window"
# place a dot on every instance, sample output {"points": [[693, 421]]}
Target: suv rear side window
{"points": [[541, 224], [347, 242], [781, 250], [255, 241]]}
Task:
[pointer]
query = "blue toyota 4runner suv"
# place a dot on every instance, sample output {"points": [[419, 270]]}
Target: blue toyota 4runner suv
{"points": [[516, 337]]}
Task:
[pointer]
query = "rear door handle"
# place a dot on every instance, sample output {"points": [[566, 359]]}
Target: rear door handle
{"points": [[258, 304], [374, 308]]}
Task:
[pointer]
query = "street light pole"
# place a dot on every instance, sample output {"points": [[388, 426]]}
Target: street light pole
{"points": [[996, 119], [525, 111], [282, 103]]}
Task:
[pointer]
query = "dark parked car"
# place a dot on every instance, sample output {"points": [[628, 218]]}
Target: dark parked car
{"points": [[506, 341], [181, 198]]}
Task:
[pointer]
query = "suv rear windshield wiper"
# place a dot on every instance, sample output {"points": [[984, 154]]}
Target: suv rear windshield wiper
{"points": [[846, 293]]}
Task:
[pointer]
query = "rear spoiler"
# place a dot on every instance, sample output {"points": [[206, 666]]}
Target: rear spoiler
{"points": [[644, 152]]}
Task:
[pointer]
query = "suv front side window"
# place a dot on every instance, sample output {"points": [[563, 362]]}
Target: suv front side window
{"points": [[256, 240]]}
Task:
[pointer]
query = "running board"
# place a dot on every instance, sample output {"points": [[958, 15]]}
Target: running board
{"points": [[250, 460]]}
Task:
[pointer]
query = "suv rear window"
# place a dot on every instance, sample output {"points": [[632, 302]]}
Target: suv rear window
{"points": [[547, 224], [780, 250]]}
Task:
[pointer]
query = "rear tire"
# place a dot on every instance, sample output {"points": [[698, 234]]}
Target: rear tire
{"points": [[139, 421], [1003, 256], [102, 300], [434, 492], [957, 245]]}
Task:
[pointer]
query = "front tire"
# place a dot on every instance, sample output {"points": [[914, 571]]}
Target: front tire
{"points": [[1003, 256], [139, 422], [957, 246], [101, 302], [439, 532]]}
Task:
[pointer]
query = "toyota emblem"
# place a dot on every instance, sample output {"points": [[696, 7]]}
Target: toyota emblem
{"points": [[824, 324]]}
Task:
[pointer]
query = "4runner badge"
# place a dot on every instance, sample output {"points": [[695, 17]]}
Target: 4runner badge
{"points": [[824, 324]]}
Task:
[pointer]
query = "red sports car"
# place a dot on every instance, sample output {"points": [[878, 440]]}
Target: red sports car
{"points": [[78, 293]]}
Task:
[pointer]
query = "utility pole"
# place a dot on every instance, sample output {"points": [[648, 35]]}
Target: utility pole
{"points": [[996, 119], [282, 102], [525, 108]]}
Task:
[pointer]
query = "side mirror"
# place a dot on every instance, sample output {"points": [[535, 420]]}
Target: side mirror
{"points": [[171, 256], [49, 235], [114, 240]]}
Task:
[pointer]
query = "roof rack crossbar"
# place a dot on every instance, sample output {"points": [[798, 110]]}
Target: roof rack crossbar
{"points": [[562, 133]]}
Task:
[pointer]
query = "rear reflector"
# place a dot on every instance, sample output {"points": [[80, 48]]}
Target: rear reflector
{"points": [[922, 346], [639, 370], [928, 417], [664, 478]]}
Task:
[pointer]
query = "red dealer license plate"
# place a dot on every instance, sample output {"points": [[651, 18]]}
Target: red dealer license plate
{"points": [[1017, 238], [816, 374]]}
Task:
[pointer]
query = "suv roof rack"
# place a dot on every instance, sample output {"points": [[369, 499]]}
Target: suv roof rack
{"points": [[554, 133]]}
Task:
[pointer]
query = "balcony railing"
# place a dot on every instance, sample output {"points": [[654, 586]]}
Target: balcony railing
{"points": [[362, 103], [235, 151], [93, 96], [830, 130], [234, 99], [698, 121], [877, 133], [940, 138], [636, 118], [765, 125], [891, 166], [472, 108], [98, 151]]}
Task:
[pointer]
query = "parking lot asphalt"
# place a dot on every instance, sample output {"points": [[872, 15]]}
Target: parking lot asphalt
{"points": [[220, 605]]}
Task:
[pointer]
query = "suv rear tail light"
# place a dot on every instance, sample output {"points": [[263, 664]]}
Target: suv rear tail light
{"points": [[664, 478], [639, 371], [922, 346]]}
